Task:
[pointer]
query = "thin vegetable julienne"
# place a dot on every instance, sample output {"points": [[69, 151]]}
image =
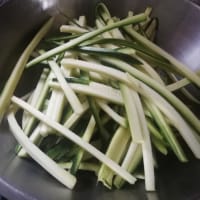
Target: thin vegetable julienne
{"points": [[63, 176], [87, 36], [16, 74], [87, 64], [76, 139]]}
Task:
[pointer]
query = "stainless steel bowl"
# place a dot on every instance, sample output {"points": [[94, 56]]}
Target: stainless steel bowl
{"points": [[179, 34]]}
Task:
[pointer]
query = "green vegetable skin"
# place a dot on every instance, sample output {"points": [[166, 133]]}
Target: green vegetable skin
{"points": [[101, 105]]}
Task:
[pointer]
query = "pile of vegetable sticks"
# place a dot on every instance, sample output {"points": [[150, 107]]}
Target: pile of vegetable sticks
{"points": [[100, 103]]}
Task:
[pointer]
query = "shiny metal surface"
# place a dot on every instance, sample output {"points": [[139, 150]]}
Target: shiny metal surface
{"points": [[179, 34]]}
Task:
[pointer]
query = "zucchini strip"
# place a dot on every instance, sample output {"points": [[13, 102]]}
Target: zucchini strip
{"points": [[115, 151], [180, 67], [179, 83], [166, 131], [87, 36], [96, 90], [69, 93], [36, 93], [177, 103], [74, 117], [186, 131], [114, 115], [30, 123], [76, 139], [72, 29], [130, 162], [99, 68], [41, 158], [132, 114], [16, 74], [147, 153], [54, 110], [86, 137], [35, 138]]}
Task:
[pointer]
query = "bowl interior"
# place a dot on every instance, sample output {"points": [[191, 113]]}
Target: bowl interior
{"points": [[179, 34]]}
